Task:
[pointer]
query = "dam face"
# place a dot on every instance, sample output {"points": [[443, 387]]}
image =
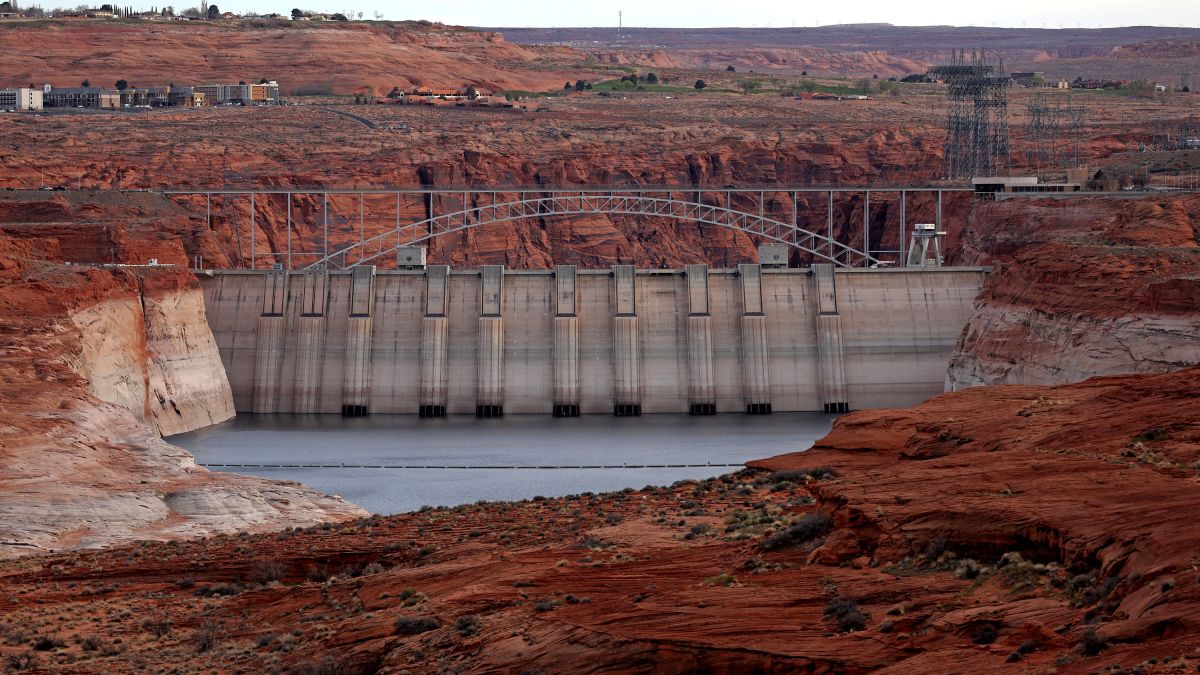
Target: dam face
{"points": [[565, 341]]}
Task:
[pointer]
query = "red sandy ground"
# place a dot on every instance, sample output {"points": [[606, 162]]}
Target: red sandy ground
{"points": [[1074, 504]]}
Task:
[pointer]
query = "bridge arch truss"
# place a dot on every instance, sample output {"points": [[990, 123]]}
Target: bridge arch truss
{"points": [[448, 211]]}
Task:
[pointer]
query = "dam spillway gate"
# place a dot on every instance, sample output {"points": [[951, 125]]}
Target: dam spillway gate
{"points": [[570, 341]]}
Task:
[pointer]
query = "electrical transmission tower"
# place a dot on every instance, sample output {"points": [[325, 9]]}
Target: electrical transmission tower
{"points": [[1054, 128], [977, 125]]}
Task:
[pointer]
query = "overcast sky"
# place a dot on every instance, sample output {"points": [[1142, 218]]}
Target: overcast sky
{"points": [[775, 13]]}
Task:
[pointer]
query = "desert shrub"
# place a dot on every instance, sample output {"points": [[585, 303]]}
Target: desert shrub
{"points": [[810, 526], [266, 571], [1092, 643], [217, 590], [185, 582], [24, 661], [158, 626], [45, 643], [206, 635], [1027, 647], [467, 625], [545, 605], [846, 613], [415, 625]]}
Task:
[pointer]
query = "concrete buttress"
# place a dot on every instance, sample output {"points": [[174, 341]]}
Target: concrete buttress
{"points": [[268, 345], [566, 343], [310, 345], [702, 397], [360, 329], [756, 389], [433, 342], [830, 349], [489, 393], [627, 373]]}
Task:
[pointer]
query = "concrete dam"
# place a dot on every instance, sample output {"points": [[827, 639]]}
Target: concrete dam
{"points": [[568, 341]]}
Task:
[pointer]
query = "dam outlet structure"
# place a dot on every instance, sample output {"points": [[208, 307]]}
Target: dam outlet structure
{"points": [[622, 341]]}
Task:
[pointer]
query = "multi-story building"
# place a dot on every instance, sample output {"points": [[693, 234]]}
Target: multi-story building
{"points": [[81, 97], [161, 97], [185, 97], [21, 99], [216, 94]]}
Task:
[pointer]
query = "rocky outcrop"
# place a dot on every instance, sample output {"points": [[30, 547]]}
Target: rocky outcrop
{"points": [[1085, 288], [94, 365], [153, 353]]}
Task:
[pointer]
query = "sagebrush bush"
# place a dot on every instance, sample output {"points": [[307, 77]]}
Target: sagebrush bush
{"points": [[810, 526], [415, 625], [846, 613]]}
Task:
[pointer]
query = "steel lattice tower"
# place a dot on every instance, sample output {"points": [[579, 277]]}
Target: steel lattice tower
{"points": [[977, 124], [1054, 128]]}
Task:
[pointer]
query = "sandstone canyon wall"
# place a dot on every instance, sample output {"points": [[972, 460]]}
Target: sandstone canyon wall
{"points": [[95, 364], [1096, 286], [153, 353]]}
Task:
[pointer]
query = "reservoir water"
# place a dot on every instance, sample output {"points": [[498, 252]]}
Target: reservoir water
{"points": [[364, 444]]}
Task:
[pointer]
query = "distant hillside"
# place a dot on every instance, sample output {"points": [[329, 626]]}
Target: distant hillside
{"points": [[858, 37], [344, 59], [1117, 53]]}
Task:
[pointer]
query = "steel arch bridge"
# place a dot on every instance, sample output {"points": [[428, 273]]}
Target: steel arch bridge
{"points": [[377, 229], [369, 250]]}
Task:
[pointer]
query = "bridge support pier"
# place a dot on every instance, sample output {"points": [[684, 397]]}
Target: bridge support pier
{"points": [[755, 377], [566, 344], [830, 352], [270, 328], [489, 394], [360, 328], [627, 378], [702, 398], [433, 343], [310, 346]]}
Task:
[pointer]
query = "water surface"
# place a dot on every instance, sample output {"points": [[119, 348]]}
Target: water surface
{"points": [[514, 440]]}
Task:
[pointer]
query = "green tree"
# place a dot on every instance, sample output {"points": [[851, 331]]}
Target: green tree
{"points": [[122, 85], [339, 17], [863, 85], [808, 86], [567, 86], [580, 85], [297, 13], [651, 78], [749, 85], [730, 69], [214, 12], [700, 84], [85, 83], [471, 93]]}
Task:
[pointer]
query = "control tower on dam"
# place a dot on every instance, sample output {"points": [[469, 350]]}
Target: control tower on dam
{"points": [[434, 341]]}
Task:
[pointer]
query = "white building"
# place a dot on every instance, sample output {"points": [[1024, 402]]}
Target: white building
{"points": [[21, 99]]}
